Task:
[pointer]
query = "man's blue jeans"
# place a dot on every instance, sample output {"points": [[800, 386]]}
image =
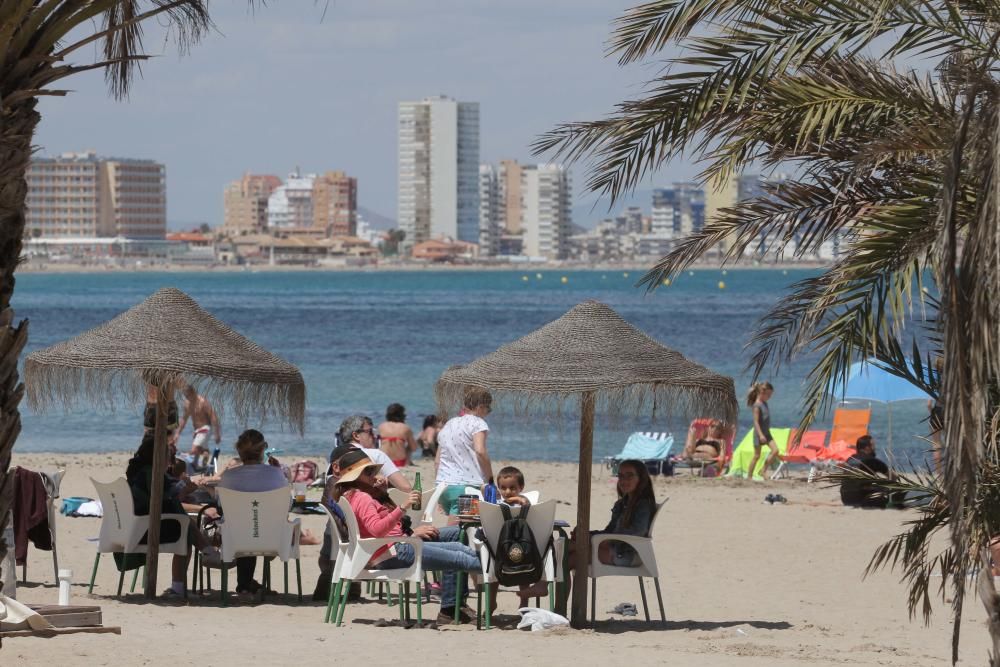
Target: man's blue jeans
{"points": [[447, 554]]}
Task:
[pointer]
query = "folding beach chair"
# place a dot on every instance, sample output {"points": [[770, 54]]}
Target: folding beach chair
{"points": [[849, 424], [810, 448], [698, 430], [652, 448]]}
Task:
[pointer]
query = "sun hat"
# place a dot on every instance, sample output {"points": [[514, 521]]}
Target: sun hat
{"points": [[352, 464]]}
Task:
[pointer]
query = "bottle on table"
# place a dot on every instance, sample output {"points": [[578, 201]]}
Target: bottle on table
{"points": [[419, 489]]}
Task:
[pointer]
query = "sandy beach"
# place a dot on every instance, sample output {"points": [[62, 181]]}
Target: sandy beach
{"points": [[744, 583]]}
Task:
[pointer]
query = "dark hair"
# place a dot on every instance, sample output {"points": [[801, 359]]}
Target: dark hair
{"points": [[250, 445], [643, 492], [864, 441], [395, 413], [430, 420], [511, 471], [143, 457], [756, 390], [149, 416]]}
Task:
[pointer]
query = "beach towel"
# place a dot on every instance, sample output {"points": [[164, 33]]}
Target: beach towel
{"points": [[31, 514], [744, 451], [642, 447]]}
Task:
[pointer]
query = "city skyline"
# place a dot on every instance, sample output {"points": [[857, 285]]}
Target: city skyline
{"points": [[230, 114]]}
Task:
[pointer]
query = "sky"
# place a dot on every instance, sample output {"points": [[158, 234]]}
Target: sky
{"points": [[315, 85]]}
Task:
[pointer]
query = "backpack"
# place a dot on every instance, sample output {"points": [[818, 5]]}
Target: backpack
{"points": [[517, 560]]}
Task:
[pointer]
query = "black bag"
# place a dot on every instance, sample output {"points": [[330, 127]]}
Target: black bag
{"points": [[517, 560]]}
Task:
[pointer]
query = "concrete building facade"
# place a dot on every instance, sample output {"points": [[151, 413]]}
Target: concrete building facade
{"points": [[245, 203], [83, 195], [546, 215], [291, 204], [438, 170], [335, 203]]}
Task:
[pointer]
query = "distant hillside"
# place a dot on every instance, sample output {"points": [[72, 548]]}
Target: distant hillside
{"points": [[376, 219]]}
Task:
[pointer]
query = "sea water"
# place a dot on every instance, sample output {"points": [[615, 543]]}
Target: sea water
{"points": [[366, 339]]}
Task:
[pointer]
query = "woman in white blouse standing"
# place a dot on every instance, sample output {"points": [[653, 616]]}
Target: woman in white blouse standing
{"points": [[462, 459]]}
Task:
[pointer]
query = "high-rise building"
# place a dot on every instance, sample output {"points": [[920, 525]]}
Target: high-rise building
{"points": [[245, 203], [83, 195], [546, 217], [489, 227], [291, 204], [529, 203], [439, 170], [678, 210], [335, 203]]}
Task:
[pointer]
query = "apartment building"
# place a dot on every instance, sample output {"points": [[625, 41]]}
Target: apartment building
{"points": [[335, 203], [245, 203], [84, 195], [438, 170]]}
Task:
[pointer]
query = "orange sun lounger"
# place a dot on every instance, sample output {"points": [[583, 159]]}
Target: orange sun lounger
{"points": [[810, 448]]}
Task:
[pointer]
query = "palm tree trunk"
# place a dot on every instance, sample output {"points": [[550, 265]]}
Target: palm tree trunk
{"points": [[17, 127]]}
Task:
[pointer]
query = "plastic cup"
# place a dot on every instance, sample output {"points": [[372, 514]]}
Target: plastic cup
{"points": [[299, 490]]}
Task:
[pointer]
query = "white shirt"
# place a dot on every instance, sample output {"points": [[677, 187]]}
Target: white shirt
{"points": [[381, 458], [253, 477], [458, 461]]}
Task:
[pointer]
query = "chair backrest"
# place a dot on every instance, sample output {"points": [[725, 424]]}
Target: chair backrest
{"points": [[656, 515], [351, 521], [254, 520], [119, 512], [541, 518], [52, 481], [647, 445], [428, 516], [533, 496], [417, 516], [849, 424]]}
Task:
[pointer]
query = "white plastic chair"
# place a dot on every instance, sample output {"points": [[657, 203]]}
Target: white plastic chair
{"points": [[541, 519], [121, 529], [646, 568], [352, 565], [256, 523], [533, 496], [417, 517]]}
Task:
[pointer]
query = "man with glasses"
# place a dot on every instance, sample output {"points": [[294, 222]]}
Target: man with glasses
{"points": [[357, 431]]}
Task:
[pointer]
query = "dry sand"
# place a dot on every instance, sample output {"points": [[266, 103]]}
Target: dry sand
{"points": [[745, 583]]}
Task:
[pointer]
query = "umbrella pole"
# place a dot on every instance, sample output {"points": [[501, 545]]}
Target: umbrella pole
{"points": [[156, 493], [889, 405], [581, 560]]}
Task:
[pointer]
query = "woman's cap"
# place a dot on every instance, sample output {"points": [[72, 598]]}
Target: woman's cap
{"points": [[353, 464]]}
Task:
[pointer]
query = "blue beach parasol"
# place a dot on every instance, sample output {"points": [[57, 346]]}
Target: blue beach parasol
{"points": [[867, 381]]}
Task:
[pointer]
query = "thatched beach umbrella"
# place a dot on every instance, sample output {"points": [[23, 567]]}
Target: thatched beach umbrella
{"points": [[592, 355], [166, 340]]}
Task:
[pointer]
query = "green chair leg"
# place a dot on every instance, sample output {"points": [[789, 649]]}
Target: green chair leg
{"points": [[298, 577], [93, 574], [334, 596], [420, 608], [404, 588], [552, 596], [195, 569], [343, 601], [121, 580], [135, 575], [400, 589], [458, 597], [225, 586], [285, 564]]}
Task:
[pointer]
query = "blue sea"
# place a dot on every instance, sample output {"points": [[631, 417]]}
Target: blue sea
{"points": [[366, 339]]}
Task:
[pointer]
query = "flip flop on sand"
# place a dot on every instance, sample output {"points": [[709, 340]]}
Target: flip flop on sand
{"points": [[625, 609]]}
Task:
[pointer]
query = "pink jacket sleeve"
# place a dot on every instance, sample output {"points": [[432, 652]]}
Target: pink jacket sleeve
{"points": [[367, 511]]}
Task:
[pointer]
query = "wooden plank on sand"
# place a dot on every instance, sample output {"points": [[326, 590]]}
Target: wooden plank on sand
{"points": [[70, 616], [112, 629]]}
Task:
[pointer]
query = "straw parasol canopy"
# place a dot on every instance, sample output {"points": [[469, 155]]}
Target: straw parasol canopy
{"points": [[165, 341], [592, 355]]}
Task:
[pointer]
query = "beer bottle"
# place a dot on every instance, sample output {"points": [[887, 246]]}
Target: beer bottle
{"points": [[419, 489]]}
